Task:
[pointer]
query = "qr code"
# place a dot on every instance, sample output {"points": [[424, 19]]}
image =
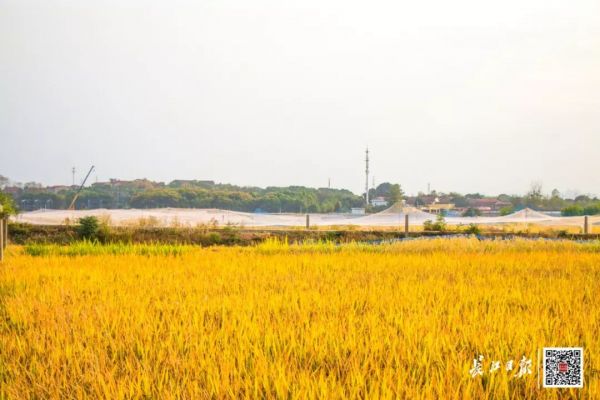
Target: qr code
{"points": [[563, 367]]}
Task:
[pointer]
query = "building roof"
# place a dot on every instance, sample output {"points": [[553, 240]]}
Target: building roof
{"points": [[487, 202]]}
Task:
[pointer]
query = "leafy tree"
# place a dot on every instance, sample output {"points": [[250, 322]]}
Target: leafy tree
{"points": [[88, 227], [395, 194], [553, 203], [534, 197], [8, 205], [592, 209], [474, 196], [473, 229], [439, 225], [582, 198], [33, 185], [382, 190], [572, 210], [158, 198], [507, 210], [471, 212], [4, 181], [459, 200], [505, 197]]}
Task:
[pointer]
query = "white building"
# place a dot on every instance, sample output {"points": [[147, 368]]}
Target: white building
{"points": [[379, 201]]}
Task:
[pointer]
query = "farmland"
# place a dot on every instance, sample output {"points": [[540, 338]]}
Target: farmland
{"points": [[313, 320]]}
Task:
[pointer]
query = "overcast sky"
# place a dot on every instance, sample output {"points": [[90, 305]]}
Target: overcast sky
{"points": [[467, 95]]}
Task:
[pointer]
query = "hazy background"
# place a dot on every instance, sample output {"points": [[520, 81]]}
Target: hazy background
{"points": [[468, 95]]}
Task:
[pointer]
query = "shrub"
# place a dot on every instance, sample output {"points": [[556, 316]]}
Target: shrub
{"points": [[213, 238], [593, 209], [104, 231], [473, 229], [148, 222], [471, 212], [438, 226], [88, 228], [7, 205], [573, 210], [507, 210]]}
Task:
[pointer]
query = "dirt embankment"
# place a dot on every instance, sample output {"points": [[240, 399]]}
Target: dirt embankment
{"points": [[64, 234]]}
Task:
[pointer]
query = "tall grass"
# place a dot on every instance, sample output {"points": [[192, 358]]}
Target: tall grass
{"points": [[280, 320], [89, 248]]}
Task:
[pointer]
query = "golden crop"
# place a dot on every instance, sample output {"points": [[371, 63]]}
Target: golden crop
{"points": [[282, 321]]}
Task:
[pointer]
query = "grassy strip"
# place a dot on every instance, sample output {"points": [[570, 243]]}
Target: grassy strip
{"points": [[87, 248]]}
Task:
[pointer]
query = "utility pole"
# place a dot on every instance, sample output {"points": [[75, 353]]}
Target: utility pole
{"points": [[367, 178], [72, 205], [1, 239], [2, 234], [73, 172]]}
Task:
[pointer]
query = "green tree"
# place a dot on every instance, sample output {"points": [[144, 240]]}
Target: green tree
{"points": [[572, 211], [396, 193], [592, 209], [88, 227], [458, 200], [4, 181], [507, 210], [473, 229], [439, 225], [8, 205], [534, 197], [471, 212]]}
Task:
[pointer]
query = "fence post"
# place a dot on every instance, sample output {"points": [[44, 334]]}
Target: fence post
{"points": [[406, 223], [1, 239], [5, 232], [586, 225], [307, 221]]}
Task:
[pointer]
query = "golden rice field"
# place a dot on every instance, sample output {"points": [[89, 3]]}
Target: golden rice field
{"points": [[400, 320]]}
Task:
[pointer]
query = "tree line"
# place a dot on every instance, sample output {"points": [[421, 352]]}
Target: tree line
{"points": [[143, 193], [190, 194]]}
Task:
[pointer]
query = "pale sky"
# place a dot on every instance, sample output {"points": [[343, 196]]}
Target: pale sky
{"points": [[467, 95]]}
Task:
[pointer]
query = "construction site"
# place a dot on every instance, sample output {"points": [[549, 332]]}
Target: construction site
{"points": [[399, 214], [395, 216]]}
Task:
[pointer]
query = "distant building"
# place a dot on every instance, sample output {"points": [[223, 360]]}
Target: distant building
{"points": [[379, 201], [14, 190], [357, 211], [58, 188], [422, 201], [438, 208], [191, 183], [143, 184], [488, 204]]}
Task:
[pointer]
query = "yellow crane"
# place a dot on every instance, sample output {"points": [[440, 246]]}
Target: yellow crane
{"points": [[72, 205]]}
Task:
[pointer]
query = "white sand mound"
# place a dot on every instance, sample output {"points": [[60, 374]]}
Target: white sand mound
{"points": [[393, 216], [527, 214]]}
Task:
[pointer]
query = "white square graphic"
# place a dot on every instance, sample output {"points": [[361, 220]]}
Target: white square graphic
{"points": [[562, 367]]}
